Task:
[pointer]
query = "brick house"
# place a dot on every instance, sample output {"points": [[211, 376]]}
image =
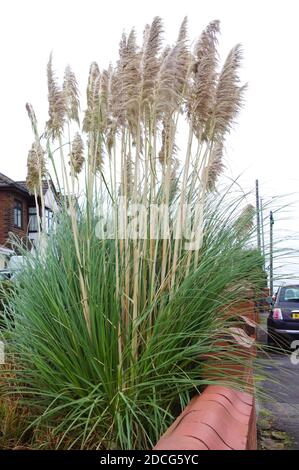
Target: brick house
{"points": [[18, 213]]}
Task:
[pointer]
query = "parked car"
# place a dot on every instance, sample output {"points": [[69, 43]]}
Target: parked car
{"points": [[283, 320]]}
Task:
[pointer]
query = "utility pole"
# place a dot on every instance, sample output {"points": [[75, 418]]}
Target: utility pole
{"points": [[262, 227], [258, 224], [271, 252]]}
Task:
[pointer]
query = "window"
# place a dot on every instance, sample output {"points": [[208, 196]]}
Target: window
{"points": [[49, 219], [289, 294], [18, 214], [33, 227]]}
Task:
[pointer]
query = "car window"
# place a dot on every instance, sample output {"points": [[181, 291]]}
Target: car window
{"points": [[289, 294]]}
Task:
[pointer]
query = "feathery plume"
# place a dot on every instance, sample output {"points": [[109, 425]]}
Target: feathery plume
{"points": [[104, 101], [98, 121], [167, 155], [150, 63], [57, 104], [114, 114], [182, 36], [98, 100], [92, 95], [36, 167], [168, 149], [183, 58], [96, 151], [172, 76], [71, 94], [215, 166], [77, 157], [203, 88], [229, 95], [244, 223], [94, 73], [99, 156], [33, 119], [125, 83]]}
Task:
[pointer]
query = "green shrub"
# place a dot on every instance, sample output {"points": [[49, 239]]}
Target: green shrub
{"points": [[97, 387]]}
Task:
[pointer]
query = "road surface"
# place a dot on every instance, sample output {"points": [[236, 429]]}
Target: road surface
{"points": [[282, 388]]}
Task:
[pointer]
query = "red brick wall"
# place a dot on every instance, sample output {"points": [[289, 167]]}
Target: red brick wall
{"points": [[7, 199]]}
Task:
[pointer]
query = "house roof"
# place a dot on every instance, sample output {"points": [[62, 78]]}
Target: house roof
{"points": [[44, 185], [5, 182]]}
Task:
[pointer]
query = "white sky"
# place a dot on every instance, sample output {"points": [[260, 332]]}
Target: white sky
{"points": [[264, 144]]}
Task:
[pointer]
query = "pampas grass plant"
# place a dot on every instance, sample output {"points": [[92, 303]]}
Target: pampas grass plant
{"points": [[111, 328]]}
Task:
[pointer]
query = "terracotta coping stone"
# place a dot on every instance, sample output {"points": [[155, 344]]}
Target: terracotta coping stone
{"points": [[219, 419]]}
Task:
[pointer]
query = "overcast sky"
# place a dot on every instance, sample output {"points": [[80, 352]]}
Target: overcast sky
{"points": [[265, 143]]}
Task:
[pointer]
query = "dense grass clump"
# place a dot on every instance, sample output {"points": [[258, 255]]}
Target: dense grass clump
{"points": [[94, 386]]}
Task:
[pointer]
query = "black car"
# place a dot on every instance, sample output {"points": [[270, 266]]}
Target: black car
{"points": [[283, 320]]}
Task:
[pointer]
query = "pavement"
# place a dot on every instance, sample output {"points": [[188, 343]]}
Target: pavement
{"points": [[281, 388]]}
